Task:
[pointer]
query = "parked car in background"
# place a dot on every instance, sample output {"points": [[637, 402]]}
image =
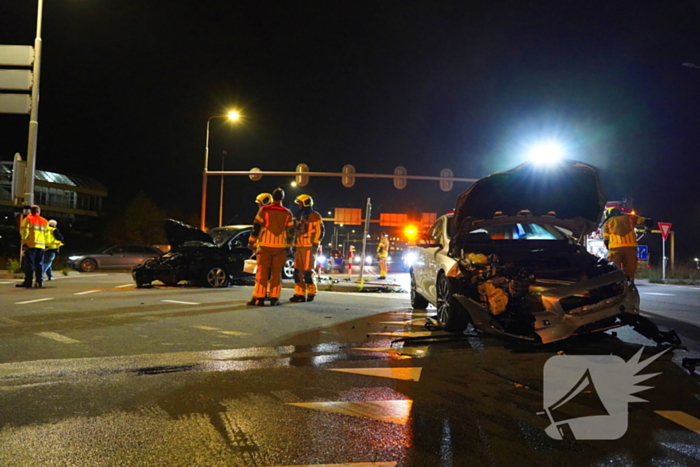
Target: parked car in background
{"points": [[510, 260], [113, 257], [333, 261], [211, 259]]}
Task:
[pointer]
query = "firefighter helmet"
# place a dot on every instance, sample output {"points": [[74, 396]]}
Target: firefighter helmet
{"points": [[305, 200], [612, 212], [263, 199]]}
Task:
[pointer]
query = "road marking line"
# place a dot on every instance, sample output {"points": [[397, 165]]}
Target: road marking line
{"points": [[234, 333], [206, 328], [6, 282], [122, 286], [10, 321], [399, 350], [387, 411], [682, 418], [404, 334], [87, 292], [58, 337], [182, 303], [406, 374], [34, 301], [345, 464], [658, 293]]}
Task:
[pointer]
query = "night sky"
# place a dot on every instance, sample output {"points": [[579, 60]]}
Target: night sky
{"points": [[128, 85]]}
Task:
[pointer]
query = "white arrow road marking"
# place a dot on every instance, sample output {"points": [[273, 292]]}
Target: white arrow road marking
{"points": [[87, 292], [34, 301], [182, 303], [57, 337]]}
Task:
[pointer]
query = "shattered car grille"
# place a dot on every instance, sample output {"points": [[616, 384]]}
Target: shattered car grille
{"points": [[582, 302]]}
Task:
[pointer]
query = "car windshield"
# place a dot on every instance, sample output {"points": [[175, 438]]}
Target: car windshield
{"points": [[520, 232], [222, 235]]}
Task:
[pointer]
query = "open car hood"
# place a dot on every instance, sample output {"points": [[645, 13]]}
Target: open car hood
{"points": [[570, 189], [178, 233]]}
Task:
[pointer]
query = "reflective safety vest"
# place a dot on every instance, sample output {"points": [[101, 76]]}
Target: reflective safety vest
{"points": [[309, 229], [383, 248], [619, 230], [52, 243], [273, 227], [34, 231]]}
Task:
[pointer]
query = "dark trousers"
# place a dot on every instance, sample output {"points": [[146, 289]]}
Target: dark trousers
{"points": [[33, 265]]}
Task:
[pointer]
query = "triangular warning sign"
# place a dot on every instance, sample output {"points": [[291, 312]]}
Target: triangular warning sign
{"points": [[665, 228]]}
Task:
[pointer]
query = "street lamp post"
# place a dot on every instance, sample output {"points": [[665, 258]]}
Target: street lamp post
{"points": [[34, 114], [221, 192], [233, 116]]}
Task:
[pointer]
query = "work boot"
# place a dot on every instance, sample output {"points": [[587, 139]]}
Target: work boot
{"points": [[297, 299], [24, 284], [256, 302], [381, 278], [310, 297], [39, 284], [275, 301]]}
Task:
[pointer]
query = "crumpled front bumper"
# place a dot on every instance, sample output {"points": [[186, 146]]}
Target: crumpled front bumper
{"points": [[555, 324]]}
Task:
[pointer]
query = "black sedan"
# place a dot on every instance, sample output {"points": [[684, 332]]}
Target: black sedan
{"points": [[212, 259]]}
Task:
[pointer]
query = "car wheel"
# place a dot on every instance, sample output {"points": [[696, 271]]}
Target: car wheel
{"points": [[87, 265], [418, 302], [288, 269], [216, 277], [450, 314]]}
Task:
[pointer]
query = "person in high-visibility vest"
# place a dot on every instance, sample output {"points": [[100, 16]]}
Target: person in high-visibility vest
{"points": [[621, 239], [271, 238], [309, 233], [383, 254], [33, 230], [54, 241]]}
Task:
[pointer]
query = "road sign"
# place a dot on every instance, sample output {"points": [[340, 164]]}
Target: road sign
{"points": [[16, 80], [16, 55], [665, 228], [643, 252], [446, 185], [19, 168], [15, 103]]}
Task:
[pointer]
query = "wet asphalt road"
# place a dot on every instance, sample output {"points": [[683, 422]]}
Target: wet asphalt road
{"points": [[103, 374]]}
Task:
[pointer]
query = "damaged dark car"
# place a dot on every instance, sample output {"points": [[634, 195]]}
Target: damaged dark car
{"points": [[519, 264], [211, 259]]}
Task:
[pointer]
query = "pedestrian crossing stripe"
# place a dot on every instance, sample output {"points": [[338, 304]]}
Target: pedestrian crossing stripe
{"points": [[386, 411], [407, 374], [681, 418], [347, 464], [417, 351], [415, 314]]}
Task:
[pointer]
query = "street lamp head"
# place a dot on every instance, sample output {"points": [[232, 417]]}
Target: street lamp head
{"points": [[546, 154], [234, 115]]}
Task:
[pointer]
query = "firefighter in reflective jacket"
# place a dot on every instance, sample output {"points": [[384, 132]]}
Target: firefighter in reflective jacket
{"points": [[309, 233], [621, 239], [383, 254], [34, 231], [272, 236]]}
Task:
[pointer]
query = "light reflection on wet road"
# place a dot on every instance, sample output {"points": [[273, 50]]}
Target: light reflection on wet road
{"points": [[425, 403]]}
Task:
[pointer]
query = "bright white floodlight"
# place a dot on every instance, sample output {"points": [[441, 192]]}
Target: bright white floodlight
{"points": [[546, 154]]}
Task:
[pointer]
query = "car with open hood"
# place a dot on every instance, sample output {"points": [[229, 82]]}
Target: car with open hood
{"points": [[511, 261], [214, 258]]}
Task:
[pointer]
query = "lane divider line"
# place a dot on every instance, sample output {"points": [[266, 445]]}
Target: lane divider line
{"points": [[179, 302], [681, 418], [34, 301], [122, 286], [58, 337], [88, 291]]}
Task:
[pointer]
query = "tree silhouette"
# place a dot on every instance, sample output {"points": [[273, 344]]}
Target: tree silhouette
{"points": [[140, 223]]}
